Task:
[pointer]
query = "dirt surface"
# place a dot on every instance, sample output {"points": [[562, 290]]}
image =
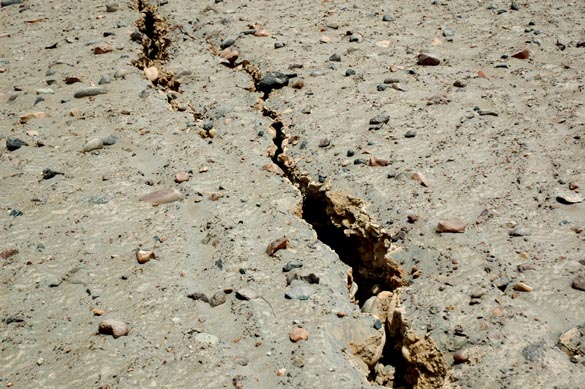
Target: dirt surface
{"points": [[262, 194]]}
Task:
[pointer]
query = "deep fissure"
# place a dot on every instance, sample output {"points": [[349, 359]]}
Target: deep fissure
{"points": [[155, 42]]}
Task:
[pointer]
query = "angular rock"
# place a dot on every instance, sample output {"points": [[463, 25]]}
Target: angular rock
{"points": [[143, 256], [113, 327], [246, 294], [569, 198], [579, 282], [426, 59], [14, 144], [272, 81], [522, 54], [218, 298], [380, 119]]}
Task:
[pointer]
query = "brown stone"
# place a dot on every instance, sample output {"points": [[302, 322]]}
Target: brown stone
{"points": [[417, 176], [298, 334], [461, 356], [522, 54], [426, 59], [374, 161], [102, 49], [143, 256], [522, 287]]}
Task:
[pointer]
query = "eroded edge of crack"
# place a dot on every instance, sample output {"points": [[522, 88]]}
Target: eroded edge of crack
{"points": [[155, 43], [423, 365]]}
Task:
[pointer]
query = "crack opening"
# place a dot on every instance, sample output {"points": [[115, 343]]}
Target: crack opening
{"points": [[155, 43]]}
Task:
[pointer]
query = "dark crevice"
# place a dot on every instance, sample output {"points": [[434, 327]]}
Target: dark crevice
{"points": [[155, 43]]}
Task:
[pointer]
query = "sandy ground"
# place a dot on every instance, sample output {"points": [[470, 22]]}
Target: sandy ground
{"points": [[315, 125]]}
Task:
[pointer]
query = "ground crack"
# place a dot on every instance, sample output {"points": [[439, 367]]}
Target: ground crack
{"points": [[342, 223], [155, 41]]}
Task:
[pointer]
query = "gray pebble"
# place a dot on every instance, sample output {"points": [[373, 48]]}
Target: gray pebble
{"points": [[15, 144], [335, 58], [410, 134], [300, 292], [246, 294], [105, 79], [519, 231], [388, 18], [110, 140], [291, 265], [90, 91]]}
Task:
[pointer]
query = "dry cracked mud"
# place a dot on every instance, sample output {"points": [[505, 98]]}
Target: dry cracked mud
{"points": [[251, 194]]}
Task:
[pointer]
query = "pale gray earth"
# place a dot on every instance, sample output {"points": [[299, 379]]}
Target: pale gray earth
{"points": [[500, 152]]}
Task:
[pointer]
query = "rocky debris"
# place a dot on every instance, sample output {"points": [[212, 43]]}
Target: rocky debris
{"points": [[163, 196], [102, 49], [579, 282], [272, 81], [5, 254], [112, 7], [572, 343], [113, 327], [97, 311], [151, 73], [104, 79], [335, 57], [426, 59], [143, 255], [410, 134], [278, 244], [13, 144], [534, 352], [451, 225], [299, 334], [375, 161], [366, 339], [380, 119]]}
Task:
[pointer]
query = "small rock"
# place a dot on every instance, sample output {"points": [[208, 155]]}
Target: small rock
{"points": [[522, 54], [246, 294], [50, 173], [299, 291], [14, 144], [90, 91], [569, 198], [278, 244], [298, 334], [388, 18], [93, 144], [461, 356], [272, 81], [34, 115], [102, 49], [335, 58], [410, 134], [6, 3], [112, 7], [105, 79], [325, 142], [121, 73], [374, 161], [381, 87], [356, 37], [110, 140], [198, 296], [522, 287], [217, 299], [291, 266], [380, 119], [418, 176], [349, 72], [163, 196], [45, 91], [579, 282], [226, 43], [451, 226], [426, 59], [581, 43], [278, 45], [113, 327], [534, 352], [514, 6], [97, 311], [298, 84], [459, 84], [143, 256], [151, 73], [519, 231], [182, 177]]}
